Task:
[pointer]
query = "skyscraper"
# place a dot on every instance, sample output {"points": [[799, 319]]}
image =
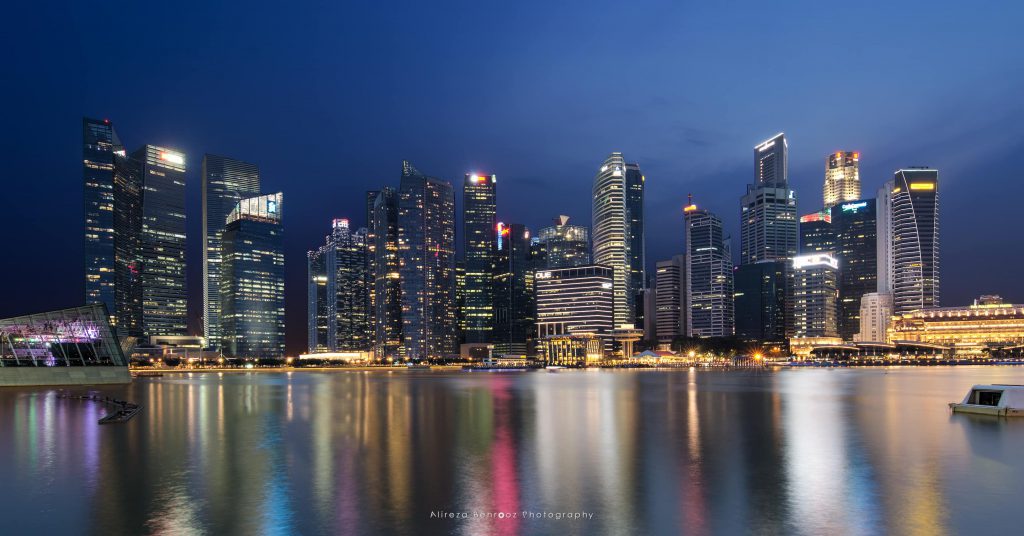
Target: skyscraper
{"points": [[426, 250], [479, 217], [875, 313], [636, 233], [513, 282], [816, 233], [128, 195], [226, 181], [100, 144], [164, 296], [564, 245], [760, 300], [856, 250], [708, 274], [671, 304], [815, 294], [913, 221], [252, 279], [768, 223], [386, 278], [618, 230], [338, 314], [842, 178]]}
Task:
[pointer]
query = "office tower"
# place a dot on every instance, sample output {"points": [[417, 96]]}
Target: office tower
{"points": [[164, 296], [575, 300], [842, 178], [252, 279], [513, 283], [912, 229], [636, 235], [386, 278], [760, 300], [708, 275], [671, 304], [371, 256], [855, 230], [426, 249], [460, 299], [768, 223], [617, 197], [100, 145], [564, 245], [226, 181], [815, 293], [479, 217], [816, 233], [875, 314], [128, 194], [318, 314], [338, 313], [650, 325]]}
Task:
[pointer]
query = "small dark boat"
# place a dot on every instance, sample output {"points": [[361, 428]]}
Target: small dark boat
{"points": [[122, 415]]}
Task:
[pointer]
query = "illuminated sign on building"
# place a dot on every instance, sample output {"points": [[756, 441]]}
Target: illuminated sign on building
{"points": [[173, 158], [922, 186], [854, 207], [817, 259]]}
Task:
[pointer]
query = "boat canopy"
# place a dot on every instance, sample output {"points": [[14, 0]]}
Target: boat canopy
{"points": [[996, 395]]}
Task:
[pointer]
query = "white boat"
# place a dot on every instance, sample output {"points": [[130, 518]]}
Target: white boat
{"points": [[996, 399], [554, 368]]}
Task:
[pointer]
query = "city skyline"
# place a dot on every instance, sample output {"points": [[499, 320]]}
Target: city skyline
{"points": [[323, 138]]}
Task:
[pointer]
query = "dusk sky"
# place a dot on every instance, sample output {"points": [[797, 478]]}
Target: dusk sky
{"points": [[328, 98]]}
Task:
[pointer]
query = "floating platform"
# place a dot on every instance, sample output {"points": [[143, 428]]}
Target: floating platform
{"points": [[995, 399]]}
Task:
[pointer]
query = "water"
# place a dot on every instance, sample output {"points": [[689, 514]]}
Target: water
{"points": [[819, 451]]}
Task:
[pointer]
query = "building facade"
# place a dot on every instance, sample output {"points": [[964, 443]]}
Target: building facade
{"points": [[815, 295], [708, 274], [671, 304], [563, 245], [338, 315], [875, 315], [387, 299], [575, 300], [426, 251], [252, 279], [164, 294], [225, 182], [636, 234], [914, 222], [972, 331], [479, 218], [768, 222], [513, 291], [842, 178], [100, 145], [855, 226], [816, 233], [615, 201], [760, 300]]}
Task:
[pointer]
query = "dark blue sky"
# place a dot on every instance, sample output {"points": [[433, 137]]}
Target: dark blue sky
{"points": [[328, 97]]}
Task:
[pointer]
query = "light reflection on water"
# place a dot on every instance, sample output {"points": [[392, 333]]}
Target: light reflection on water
{"points": [[798, 452]]}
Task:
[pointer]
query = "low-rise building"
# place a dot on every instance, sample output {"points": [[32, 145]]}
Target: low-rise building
{"points": [[972, 331]]}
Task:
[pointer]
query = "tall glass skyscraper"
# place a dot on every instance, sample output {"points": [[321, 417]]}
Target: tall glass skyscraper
{"points": [[912, 225], [164, 296], [100, 145], [252, 279], [816, 233], [514, 303], [562, 245], [479, 217], [815, 293], [426, 250], [618, 230], [760, 300], [387, 301], [708, 274], [672, 301], [128, 197], [225, 182], [842, 178], [855, 227], [338, 316], [768, 223]]}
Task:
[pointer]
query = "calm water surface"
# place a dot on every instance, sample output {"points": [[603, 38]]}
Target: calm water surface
{"points": [[864, 451]]}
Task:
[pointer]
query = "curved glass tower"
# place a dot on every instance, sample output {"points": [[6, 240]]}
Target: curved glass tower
{"points": [[914, 223], [618, 230]]}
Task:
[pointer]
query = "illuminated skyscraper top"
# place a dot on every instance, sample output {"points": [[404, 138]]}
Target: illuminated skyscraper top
{"points": [[842, 178], [768, 223], [618, 230], [771, 162]]}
